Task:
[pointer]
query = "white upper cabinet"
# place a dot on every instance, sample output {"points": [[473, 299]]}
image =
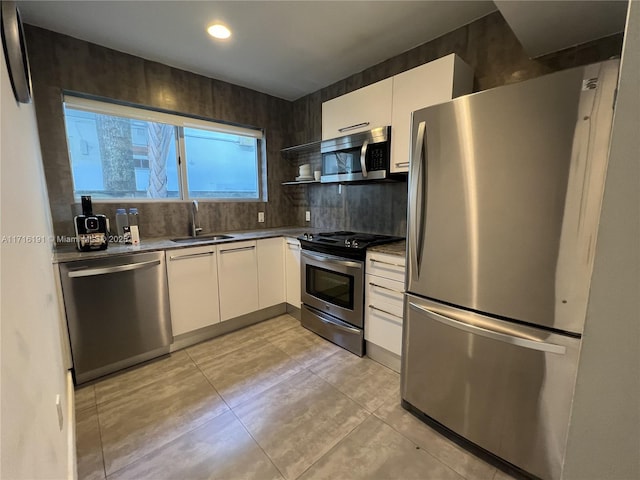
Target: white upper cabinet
{"points": [[429, 84], [238, 279], [193, 288], [271, 273], [363, 109]]}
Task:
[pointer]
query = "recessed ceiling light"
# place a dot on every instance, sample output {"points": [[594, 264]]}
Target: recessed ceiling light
{"points": [[219, 31]]}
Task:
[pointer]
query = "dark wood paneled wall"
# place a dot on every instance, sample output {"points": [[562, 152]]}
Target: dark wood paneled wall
{"points": [[490, 47], [60, 63]]}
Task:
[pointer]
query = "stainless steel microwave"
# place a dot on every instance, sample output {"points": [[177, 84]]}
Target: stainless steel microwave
{"points": [[357, 157]]}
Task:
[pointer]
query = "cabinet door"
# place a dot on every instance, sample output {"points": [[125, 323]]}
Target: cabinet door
{"points": [[193, 288], [292, 261], [429, 84], [271, 284], [363, 109], [238, 279]]}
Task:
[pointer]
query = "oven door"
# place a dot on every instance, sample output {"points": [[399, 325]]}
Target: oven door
{"points": [[333, 285]]}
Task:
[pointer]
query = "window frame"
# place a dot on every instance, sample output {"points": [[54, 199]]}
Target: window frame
{"points": [[180, 122]]}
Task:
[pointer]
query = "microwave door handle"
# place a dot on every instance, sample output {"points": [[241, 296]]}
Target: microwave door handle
{"points": [[363, 158], [416, 226]]}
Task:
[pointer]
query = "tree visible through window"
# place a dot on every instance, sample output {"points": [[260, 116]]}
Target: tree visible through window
{"points": [[125, 153]]}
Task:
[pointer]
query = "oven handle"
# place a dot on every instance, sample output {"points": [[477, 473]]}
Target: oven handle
{"points": [[363, 158], [329, 259], [336, 323]]}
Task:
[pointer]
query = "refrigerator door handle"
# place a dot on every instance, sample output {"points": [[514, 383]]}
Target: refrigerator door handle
{"points": [[416, 228], [483, 332]]}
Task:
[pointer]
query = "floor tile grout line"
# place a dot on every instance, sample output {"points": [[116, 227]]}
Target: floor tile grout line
{"points": [[104, 461], [369, 415], [257, 393], [246, 429], [186, 432], [210, 383], [305, 370], [421, 448], [174, 438]]}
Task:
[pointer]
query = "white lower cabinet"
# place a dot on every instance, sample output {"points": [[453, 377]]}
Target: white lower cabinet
{"points": [[193, 288], [238, 279], [384, 296], [271, 272], [292, 266]]}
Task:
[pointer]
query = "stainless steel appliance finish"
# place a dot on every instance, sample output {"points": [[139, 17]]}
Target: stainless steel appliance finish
{"points": [[333, 285], [117, 312], [357, 157], [505, 195], [335, 330], [504, 203], [332, 273], [503, 386]]}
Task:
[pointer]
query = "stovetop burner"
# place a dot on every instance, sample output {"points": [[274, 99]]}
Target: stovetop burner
{"points": [[344, 243]]}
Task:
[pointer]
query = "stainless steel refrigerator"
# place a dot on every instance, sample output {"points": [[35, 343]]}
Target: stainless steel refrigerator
{"points": [[505, 191]]}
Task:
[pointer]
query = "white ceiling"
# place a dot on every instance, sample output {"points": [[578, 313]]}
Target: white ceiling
{"points": [[548, 26], [284, 48]]}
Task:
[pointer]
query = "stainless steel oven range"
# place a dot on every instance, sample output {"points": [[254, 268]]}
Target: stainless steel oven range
{"points": [[332, 273]]}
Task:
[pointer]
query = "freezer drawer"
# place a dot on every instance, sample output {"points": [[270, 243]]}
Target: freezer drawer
{"points": [[503, 386]]}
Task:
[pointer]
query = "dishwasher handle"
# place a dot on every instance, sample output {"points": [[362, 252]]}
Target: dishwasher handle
{"points": [[115, 269]]}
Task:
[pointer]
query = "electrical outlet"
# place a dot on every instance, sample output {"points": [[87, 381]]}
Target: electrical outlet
{"points": [[307, 216], [261, 217]]}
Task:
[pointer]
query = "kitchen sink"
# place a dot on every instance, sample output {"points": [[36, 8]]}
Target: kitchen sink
{"points": [[201, 238]]}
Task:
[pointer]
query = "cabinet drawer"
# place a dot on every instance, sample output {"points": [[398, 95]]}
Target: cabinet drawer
{"points": [[385, 265], [385, 295], [383, 330]]}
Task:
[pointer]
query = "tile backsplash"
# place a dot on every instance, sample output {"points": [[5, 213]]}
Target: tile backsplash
{"points": [[60, 63]]}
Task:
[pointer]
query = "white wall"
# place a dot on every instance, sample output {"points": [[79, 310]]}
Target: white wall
{"points": [[604, 436], [32, 371]]}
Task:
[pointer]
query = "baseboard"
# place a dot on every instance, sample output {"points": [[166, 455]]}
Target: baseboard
{"points": [[212, 331], [294, 311], [383, 356], [72, 461]]}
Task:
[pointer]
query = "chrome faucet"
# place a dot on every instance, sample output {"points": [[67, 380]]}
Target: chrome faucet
{"points": [[195, 229]]}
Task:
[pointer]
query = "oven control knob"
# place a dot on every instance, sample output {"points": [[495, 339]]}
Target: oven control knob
{"points": [[347, 242], [354, 243], [310, 236]]}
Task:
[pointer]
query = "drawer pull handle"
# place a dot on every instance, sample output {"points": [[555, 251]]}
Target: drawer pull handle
{"points": [[191, 255], [384, 311], [402, 164], [386, 288], [351, 127], [237, 249], [387, 263]]}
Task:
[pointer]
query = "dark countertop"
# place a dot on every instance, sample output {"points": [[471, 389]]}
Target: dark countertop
{"points": [[395, 248], [70, 253]]}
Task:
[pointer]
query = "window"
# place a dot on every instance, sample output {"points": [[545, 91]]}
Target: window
{"points": [[119, 152]]}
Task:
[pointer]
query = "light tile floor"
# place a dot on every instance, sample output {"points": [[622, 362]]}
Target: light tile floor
{"points": [[270, 401]]}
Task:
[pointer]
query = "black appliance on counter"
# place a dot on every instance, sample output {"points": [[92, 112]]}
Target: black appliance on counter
{"points": [[91, 230], [332, 274]]}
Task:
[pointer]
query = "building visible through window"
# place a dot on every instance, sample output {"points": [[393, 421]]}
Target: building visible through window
{"points": [[121, 152]]}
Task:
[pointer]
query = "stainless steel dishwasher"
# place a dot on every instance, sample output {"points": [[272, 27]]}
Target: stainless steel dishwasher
{"points": [[117, 312]]}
